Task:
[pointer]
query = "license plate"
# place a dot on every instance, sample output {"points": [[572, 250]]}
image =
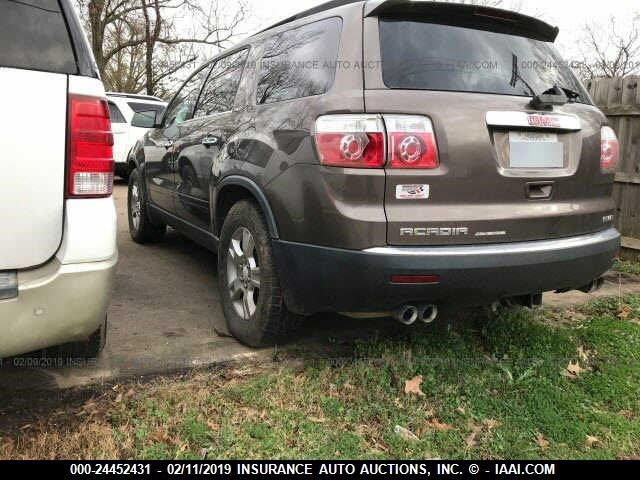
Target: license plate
{"points": [[8, 285], [535, 150]]}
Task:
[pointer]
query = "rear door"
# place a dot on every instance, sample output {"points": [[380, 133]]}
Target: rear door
{"points": [[506, 171], [35, 58], [214, 122]]}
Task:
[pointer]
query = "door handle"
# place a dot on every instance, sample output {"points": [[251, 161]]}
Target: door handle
{"points": [[167, 144], [211, 141]]}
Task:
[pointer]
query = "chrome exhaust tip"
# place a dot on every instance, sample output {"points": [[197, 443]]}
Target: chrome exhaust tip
{"points": [[427, 313], [406, 314]]}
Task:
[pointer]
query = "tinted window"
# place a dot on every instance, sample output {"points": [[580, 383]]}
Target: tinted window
{"points": [[299, 62], [427, 56], [220, 90], [145, 107], [33, 35], [183, 103], [116, 114]]}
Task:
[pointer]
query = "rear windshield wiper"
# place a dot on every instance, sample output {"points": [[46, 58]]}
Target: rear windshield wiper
{"points": [[553, 96]]}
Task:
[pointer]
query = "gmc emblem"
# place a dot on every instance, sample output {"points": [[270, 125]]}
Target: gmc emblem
{"points": [[543, 121]]}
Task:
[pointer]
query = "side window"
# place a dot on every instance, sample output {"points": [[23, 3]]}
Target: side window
{"points": [[299, 62], [220, 90], [185, 100], [115, 114]]}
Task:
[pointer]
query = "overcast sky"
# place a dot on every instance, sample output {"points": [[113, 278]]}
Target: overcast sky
{"points": [[568, 15]]}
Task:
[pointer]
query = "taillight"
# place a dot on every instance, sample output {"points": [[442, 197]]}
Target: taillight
{"points": [[355, 141], [412, 143], [608, 150], [365, 141], [90, 163]]}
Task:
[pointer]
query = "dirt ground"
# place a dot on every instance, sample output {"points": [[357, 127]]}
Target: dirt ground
{"points": [[165, 313]]}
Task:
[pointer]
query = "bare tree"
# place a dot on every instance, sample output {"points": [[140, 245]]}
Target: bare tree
{"points": [[610, 49], [140, 45]]}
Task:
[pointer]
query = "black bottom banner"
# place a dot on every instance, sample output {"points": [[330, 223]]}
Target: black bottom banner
{"points": [[439, 469]]}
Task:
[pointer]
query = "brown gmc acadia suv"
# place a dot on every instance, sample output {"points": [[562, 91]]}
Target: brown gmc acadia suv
{"points": [[383, 156]]}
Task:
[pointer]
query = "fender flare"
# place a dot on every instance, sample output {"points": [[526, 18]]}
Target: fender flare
{"points": [[257, 193]]}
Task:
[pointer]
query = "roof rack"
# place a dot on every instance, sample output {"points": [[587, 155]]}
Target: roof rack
{"points": [[317, 9], [134, 96]]}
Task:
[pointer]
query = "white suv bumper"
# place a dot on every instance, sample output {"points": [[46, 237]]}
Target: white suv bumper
{"points": [[65, 299]]}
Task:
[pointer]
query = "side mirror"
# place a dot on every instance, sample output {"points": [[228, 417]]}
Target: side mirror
{"points": [[147, 119]]}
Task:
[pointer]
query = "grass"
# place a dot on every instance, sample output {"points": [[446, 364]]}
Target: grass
{"points": [[497, 388], [627, 266]]}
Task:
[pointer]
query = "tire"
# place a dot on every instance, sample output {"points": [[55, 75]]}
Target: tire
{"points": [[142, 228], [255, 313]]}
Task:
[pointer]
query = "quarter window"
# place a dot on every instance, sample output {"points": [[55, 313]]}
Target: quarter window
{"points": [[300, 62], [116, 114], [219, 91]]}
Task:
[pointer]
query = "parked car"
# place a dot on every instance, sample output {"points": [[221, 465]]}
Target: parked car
{"points": [[375, 156], [58, 244], [129, 123]]}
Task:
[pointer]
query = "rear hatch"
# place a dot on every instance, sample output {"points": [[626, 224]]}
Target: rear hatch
{"points": [[507, 170], [35, 60]]}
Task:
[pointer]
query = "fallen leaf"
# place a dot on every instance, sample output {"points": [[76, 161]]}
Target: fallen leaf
{"points": [[398, 403], [490, 423], [590, 440], [573, 370], [438, 425], [337, 453], [623, 312], [542, 442], [317, 419], [333, 390], [413, 385], [119, 398], [583, 354], [471, 439], [405, 434], [461, 410]]}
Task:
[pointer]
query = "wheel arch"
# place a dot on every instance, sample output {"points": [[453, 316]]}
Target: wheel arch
{"points": [[235, 188]]}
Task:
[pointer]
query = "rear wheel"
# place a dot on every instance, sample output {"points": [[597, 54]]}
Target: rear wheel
{"points": [[142, 228], [249, 287]]}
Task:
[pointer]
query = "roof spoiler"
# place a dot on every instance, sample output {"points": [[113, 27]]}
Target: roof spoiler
{"points": [[465, 15]]}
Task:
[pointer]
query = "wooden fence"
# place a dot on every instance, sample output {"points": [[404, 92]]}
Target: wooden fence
{"points": [[619, 99]]}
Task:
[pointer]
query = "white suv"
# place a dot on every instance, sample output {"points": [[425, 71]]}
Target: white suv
{"points": [[129, 121], [58, 243]]}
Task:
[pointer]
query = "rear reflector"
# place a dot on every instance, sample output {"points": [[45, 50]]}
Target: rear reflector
{"points": [[355, 141], [411, 142], [415, 279], [608, 150], [90, 163]]}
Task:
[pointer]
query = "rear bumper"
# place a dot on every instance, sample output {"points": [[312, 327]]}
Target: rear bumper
{"points": [[56, 304], [317, 279]]}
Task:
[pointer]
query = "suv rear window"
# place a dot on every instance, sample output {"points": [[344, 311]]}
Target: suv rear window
{"points": [[34, 36], [429, 56], [300, 62]]}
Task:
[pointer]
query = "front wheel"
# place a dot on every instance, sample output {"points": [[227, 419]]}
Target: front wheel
{"points": [[248, 283]]}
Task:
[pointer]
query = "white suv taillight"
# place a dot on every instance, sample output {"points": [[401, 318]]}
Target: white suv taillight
{"points": [[350, 140], [90, 162], [361, 140], [608, 150], [411, 142]]}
